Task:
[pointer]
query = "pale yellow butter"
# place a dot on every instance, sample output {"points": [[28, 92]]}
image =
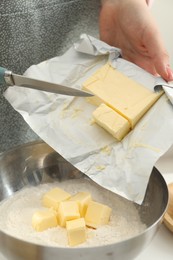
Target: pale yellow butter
{"points": [[82, 198], [44, 219], [97, 214], [52, 198], [122, 94], [111, 121], [76, 231], [68, 210]]}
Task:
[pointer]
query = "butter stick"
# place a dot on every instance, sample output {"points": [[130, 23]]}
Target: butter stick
{"points": [[124, 95]]}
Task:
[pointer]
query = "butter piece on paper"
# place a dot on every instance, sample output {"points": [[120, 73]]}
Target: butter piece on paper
{"points": [[127, 97], [111, 121]]}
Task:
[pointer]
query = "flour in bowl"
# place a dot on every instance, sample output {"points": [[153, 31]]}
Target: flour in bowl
{"points": [[16, 216]]}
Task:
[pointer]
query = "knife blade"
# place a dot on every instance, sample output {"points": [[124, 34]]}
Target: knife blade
{"points": [[8, 77]]}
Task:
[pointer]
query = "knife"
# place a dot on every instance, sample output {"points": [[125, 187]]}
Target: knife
{"points": [[9, 78]]}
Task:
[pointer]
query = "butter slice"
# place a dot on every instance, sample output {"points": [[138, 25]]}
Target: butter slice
{"points": [[82, 198], [76, 231], [68, 210], [122, 94], [97, 214], [44, 219], [52, 198], [111, 121]]}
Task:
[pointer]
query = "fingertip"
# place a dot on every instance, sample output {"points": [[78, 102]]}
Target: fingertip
{"points": [[169, 73], [164, 71]]}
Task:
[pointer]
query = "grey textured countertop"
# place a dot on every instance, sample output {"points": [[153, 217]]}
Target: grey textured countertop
{"points": [[32, 31]]}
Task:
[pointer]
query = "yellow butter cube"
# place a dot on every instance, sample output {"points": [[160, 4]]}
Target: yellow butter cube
{"points": [[111, 121], [82, 198], [68, 210], [76, 231], [52, 198], [44, 219], [97, 214]]}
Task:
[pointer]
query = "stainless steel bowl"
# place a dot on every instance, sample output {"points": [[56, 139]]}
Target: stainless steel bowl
{"points": [[36, 163]]}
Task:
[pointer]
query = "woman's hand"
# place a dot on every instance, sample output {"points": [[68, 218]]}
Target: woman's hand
{"points": [[129, 25]]}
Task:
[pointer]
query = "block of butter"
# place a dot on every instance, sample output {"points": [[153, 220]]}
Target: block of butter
{"points": [[68, 210], [111, 121], [52, 198], [76, 231], [44, 219], [83, 199], [127, 97], [97, 214]]}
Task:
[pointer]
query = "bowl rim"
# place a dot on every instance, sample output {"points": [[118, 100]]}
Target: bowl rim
{"points": [[46, 247]]}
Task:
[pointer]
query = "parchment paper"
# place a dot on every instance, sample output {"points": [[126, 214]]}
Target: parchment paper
{"points": [[65, 123]]}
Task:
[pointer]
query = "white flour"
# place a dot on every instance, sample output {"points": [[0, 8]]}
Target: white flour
{"points": [[16, 215]]}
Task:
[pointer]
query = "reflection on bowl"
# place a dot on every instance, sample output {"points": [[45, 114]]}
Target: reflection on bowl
{"points": [[36, 163]]}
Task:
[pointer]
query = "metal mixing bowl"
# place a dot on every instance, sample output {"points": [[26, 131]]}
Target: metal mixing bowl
{"points": [[36, 163]]}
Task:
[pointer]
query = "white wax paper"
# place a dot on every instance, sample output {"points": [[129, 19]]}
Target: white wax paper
{"points": [[65, 123]]}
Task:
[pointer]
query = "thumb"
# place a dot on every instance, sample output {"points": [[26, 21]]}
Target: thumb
{"points": [[158, 54], [162, 66]]}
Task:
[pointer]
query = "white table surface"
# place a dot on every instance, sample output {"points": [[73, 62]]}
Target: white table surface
{"points": [[161, 247]]}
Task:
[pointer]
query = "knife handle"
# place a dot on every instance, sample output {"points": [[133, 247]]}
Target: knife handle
{"points": [[2, 74]]}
